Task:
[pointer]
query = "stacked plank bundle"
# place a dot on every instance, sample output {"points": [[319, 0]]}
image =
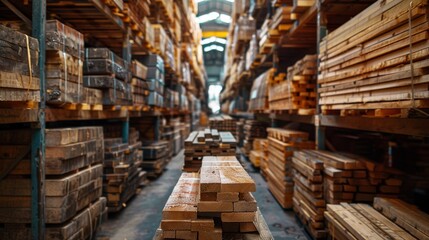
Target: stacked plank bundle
{"points": [[64, 65], [405, 215], [361, 221], [296, 91], [321, 177], [259, 92], [104, 70], [122, 172], [135, 13], [139, 87], [264, 159], [281, 145], [376, 63], [308, 196], [73, 186], [209, 142], [253, 129], [256, 154], [154, 79], [214, 204], [223, 123], [19, 72], [156, 155]]}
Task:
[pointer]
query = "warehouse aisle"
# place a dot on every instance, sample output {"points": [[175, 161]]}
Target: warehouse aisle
{"points": [[140, 219], [282, 224]]}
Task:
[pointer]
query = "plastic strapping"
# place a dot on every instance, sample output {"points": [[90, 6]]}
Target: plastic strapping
{"points": [[79, 73], [30, 69], [90, 222]]}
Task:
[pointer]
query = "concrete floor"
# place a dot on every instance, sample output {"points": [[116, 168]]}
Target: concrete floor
{"points": [[140, 219]]}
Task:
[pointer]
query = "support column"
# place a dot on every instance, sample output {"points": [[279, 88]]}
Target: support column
{"points": [[321, 33], [126, 55], [38, 137]]}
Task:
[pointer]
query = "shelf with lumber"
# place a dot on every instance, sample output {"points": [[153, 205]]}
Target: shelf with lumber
{"points": [[60, 114], [303, 33], [285, 116], [11, 115], [403, 126], [99, 23]]}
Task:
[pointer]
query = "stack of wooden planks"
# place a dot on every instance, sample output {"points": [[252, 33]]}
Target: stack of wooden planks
{"points": [[104, 70], [239, 133], [122, 172], [224, 193], [376, 63], [405, 215], [156, 155], [213, 204], [209, 142], [64, 64], [259, 92], [322, 177], [73, 185], [223, 123], [308, 196], [295, 91], [139, 87], [361, 221], [252, 129], [264, 159], [135, 13], [154, 79], [281, 145], [179, 216], [257, 153], [19, 70]]}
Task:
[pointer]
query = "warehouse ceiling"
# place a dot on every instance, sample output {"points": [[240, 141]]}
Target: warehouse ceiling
{"points": [[214, 17]]}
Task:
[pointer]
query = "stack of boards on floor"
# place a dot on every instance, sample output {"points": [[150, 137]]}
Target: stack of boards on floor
{"points": [[209, 142], [213, 204]]}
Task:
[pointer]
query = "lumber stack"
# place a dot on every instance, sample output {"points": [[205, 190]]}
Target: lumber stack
{"points": [[256, 154], [361, 221], [264, 159], [139, 87], [295, 91], [281, 145], [209, 142], [365, 65], [122, 172], [252, 129], [106, 71], [156, 155], [322, 177], [213, 204], [405, 215], [73, 185], [154, 79], [239, 134], [223, 123], [64, 64], [308, 196], [259, 92], [135, 13], [19, 70], [225, 194]]}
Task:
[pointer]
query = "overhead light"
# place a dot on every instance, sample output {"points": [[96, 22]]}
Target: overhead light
{"points": [[208, 17], [214, 16], [213, 47], [212, 40], [225, 18]]}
